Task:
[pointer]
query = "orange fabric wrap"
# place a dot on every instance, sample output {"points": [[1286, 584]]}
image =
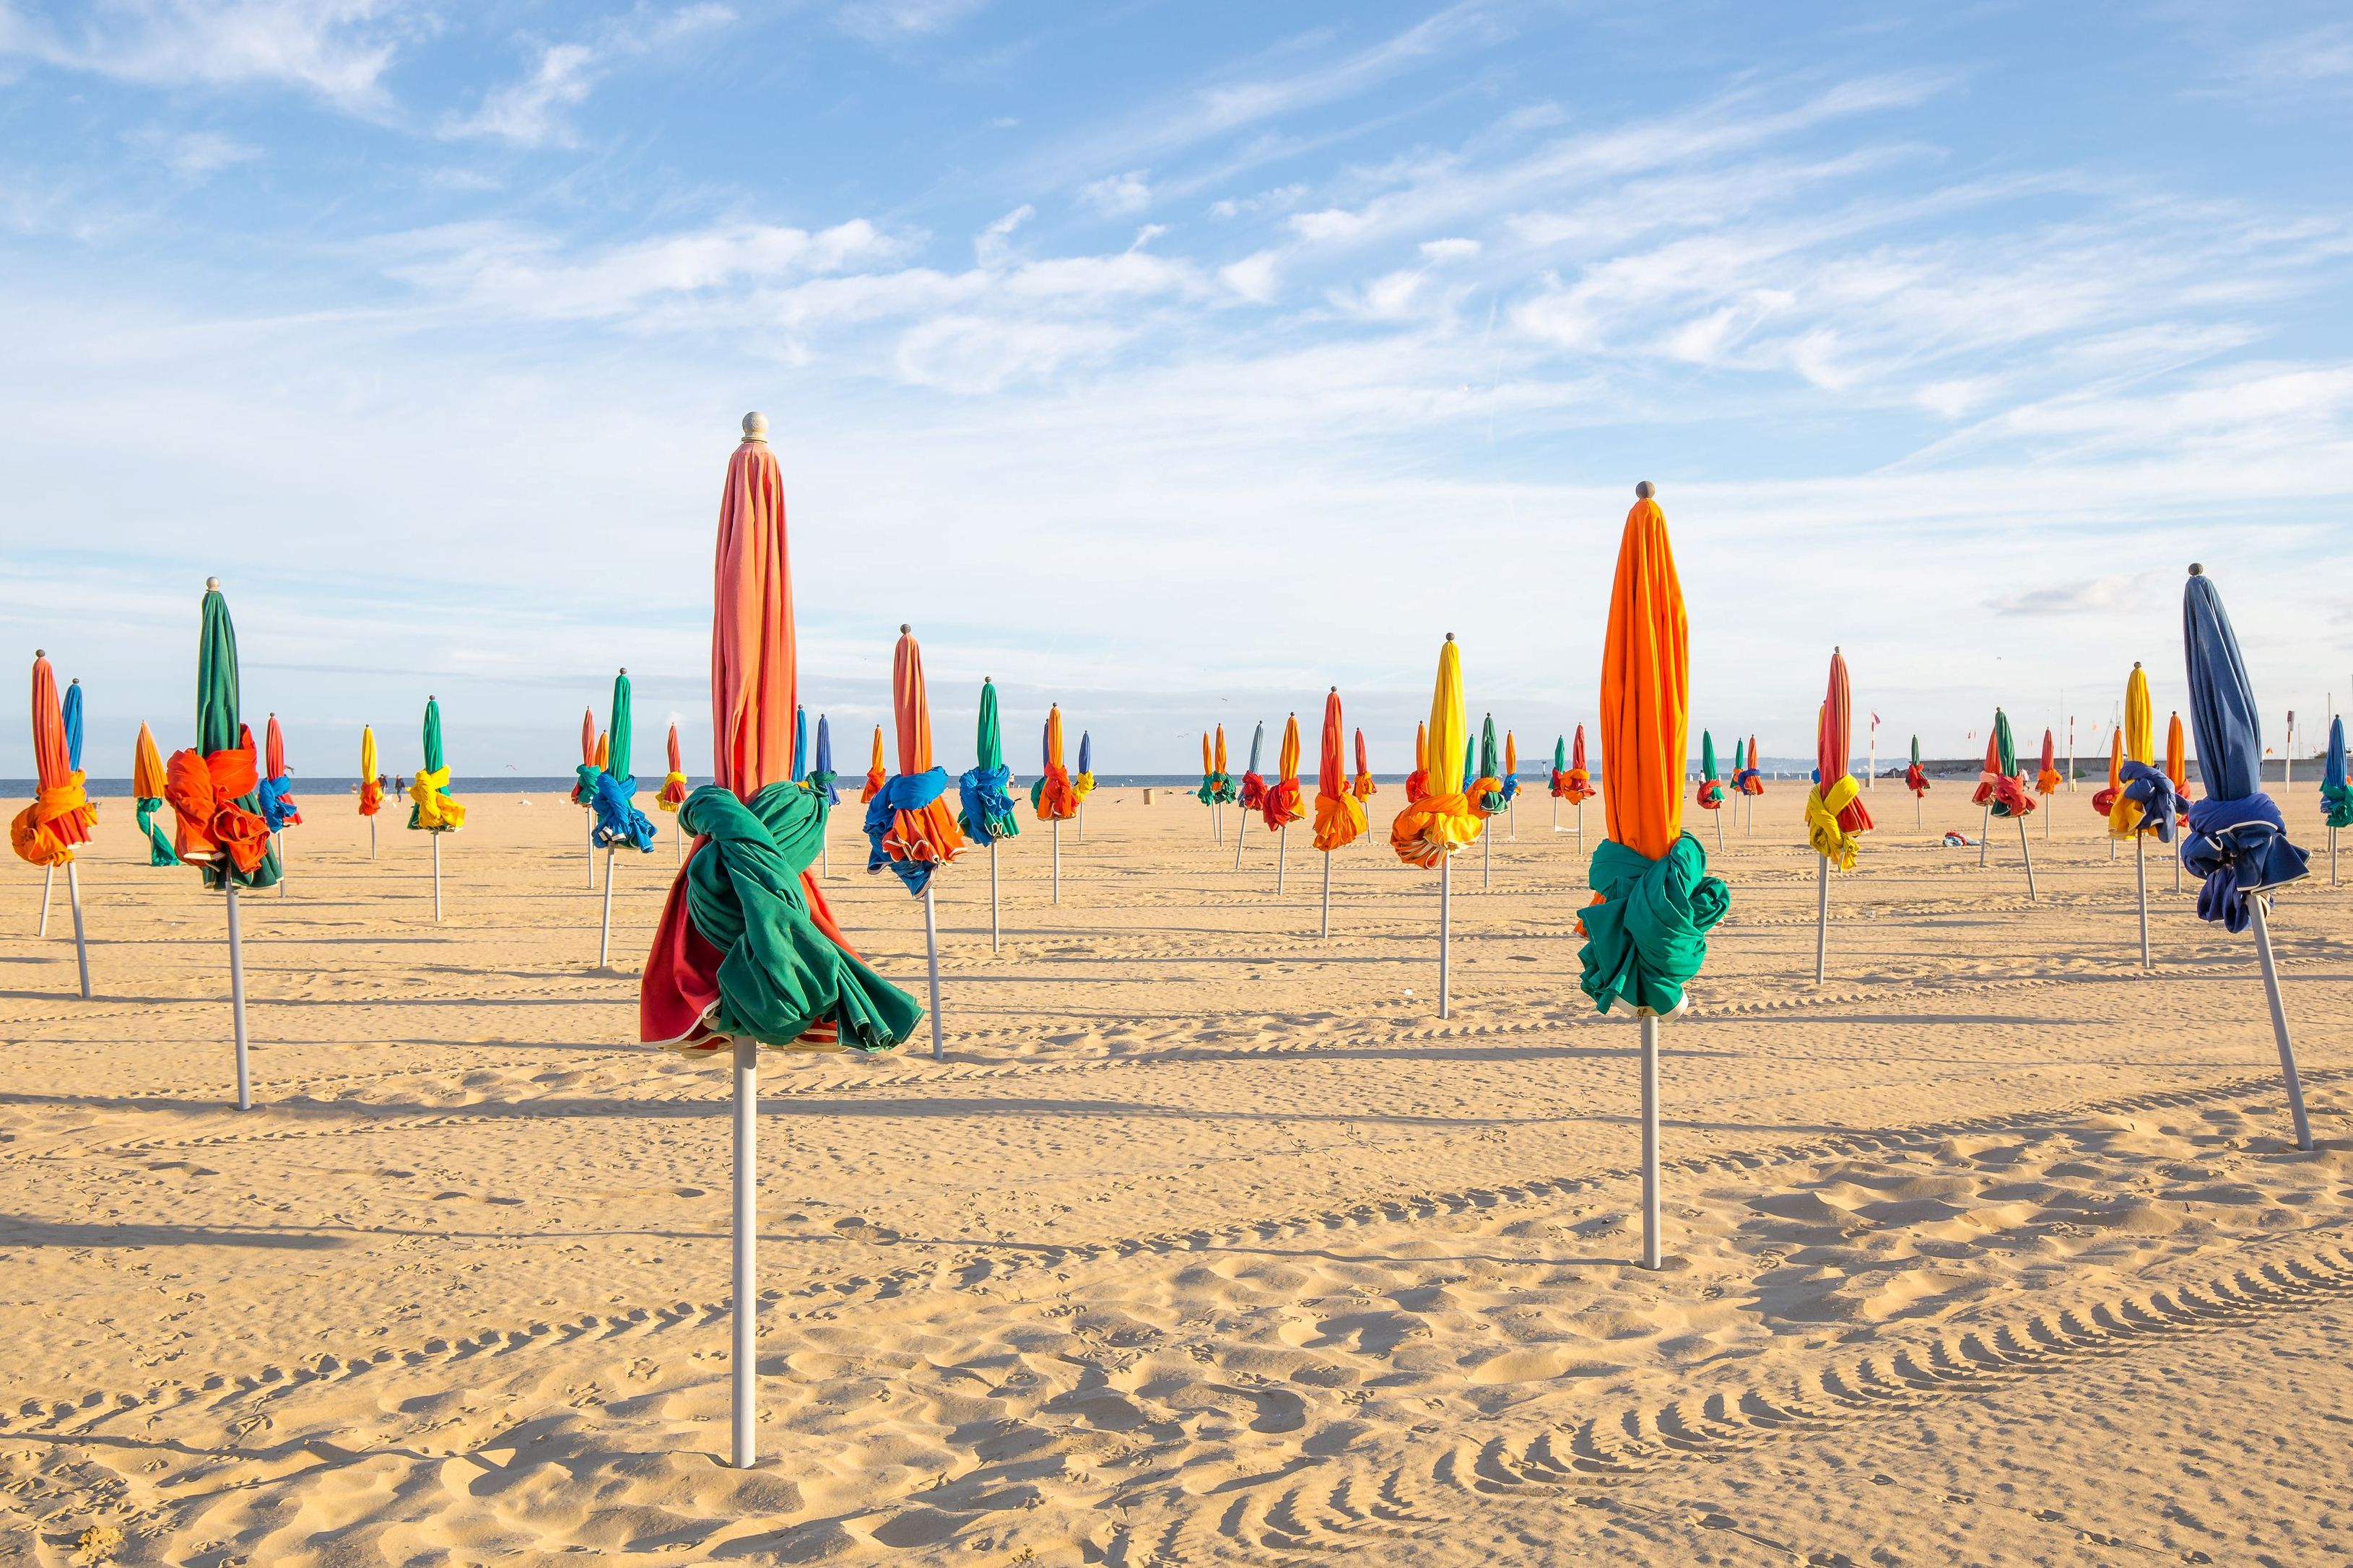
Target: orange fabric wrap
{"points": [[203, 792]]}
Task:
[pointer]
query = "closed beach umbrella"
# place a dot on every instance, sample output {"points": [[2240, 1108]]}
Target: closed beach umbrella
{"points": [[619, 824], [672, 794], [1486, 794], [1440, 821], [278, 807], [2105, 800], [147, 785], [1363, 788], [986, 792], [1339, 809], [910, 830], [2237, 843], [1283, 802], [1083, 783], [433, 809], [1646, 931], [875, 775], [1051, 797], [1253, 790], [2336, 795], [1836, 817], [821, 775], [44, 833], [746, 953], [371, 787], [1417, 783], [212, 787], [588, 755], [2146, 801], [800, 742]]}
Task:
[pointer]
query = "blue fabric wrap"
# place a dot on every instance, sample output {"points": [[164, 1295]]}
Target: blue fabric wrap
{"points": [[987, 814], [2160, 806], [618, 820], [2241, 848], [907, 792], [1511, 788], [275, 798]]}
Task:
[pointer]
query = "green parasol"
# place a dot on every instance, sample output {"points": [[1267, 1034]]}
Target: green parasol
{"points": [[219, 728], [1707, 755]]}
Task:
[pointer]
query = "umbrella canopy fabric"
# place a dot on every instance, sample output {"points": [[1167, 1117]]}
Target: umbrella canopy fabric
{"points": [[1711, 788], [69, 712], [800, 742], [604, 751], [44, 833], [672, 794], [1655, 902], [2146, 800], [433, 809], [1999, 786], [1440, 821], [1216, 784], [1511, 773], [587, 756], [746, 945], [1914, 779], [2176, 755], [1281, 803], [2335, 796], [212, 785], [2105, 799], [1253, 789], [277, 788], [1557, 777], [1576, 784], [987, 790], [875, 772], [610, 789], [821, 776], [1750, 780], [1083, 783], [2047, 780], [148, 782], [2237, 841], [1363, 788], [371, 790], [1339, 810], [909, 828], [1484, 787], [1052, 796], [1836, 818], [1417, 783]]}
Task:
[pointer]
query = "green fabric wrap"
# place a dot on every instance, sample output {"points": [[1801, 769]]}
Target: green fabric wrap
{"points": [[2335, 806], [221, 728], [781, 974], [1648, 936], [159, 843]]}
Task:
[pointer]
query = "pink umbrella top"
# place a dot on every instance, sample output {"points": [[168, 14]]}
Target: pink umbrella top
{"points": [[753, 677]]}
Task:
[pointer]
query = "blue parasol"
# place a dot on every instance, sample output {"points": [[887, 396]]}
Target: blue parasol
{"points": [[821, 776]]}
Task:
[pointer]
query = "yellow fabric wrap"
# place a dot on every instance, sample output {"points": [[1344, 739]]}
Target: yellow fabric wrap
{"points": [[436, 812], [1831, 841], [1431, 828], [1082, 785], [673, 792], [1339, 819], [33, 834]]}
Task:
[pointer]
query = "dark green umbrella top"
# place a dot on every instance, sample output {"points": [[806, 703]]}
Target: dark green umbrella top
{"points": [[433, 762], [1707, 755], [1560, 754], [1915, 750], [2005, 748], [990, 742], [1491, 763], [616, 757], [218, 725]]}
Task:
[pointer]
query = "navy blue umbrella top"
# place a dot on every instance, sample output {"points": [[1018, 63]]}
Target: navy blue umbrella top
{"points": [[824, 746], [2335, 777], [2237, 841], [1086, 752]]}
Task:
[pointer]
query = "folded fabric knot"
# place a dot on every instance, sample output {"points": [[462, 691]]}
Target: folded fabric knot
{"points": [[45, 832], [909, 829], [2335, 806], [1828, 819], [1365, 788], [1339, 819], [1416, 784], [276, 798], [781, 979], [2146, 804], [159, 843], [821, 781], [2241, 848], [371, 797], [619, 822], [988, 812], [1253, 793], [1053, 799], [2048, 781], [1711, 795], [1280, 804], [1434, 826], [1216, 788], [1646, 930], [2003, 794], [1511, 788], [1484, 796], [1749, 781], [672, 794], [432, 807], [202, 791], [874, 782], [1081, 786], [2104, 801], [1914, 780]]}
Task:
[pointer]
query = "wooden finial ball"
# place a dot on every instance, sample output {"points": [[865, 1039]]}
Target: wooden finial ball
{"points": [[755, 426], [212, 584], [2196, 570], [1645, 490]]}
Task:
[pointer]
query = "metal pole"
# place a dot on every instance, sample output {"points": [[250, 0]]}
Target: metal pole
{"points": [[1486, 861], [589, 818], [1719, 831], [81, 951], [2279, 1023], [1445, 933], [371, 838], [1650, 1258], [745, 1362], [1556, 814], [605, 936], [1915, 808], [1327, 894], [1985, 834], [48, 878], [996, 932], [1081, 837], [436, 878], [237, 996], [278, 842], [2140, 875], [2023, 849], [1821, 917], [1580, 828], [2332, 861], [1057, 860], [1282, 856], [1240, 833], [932, 956]]}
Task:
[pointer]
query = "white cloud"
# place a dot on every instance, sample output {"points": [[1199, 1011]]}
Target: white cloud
{"points": [[336, 49], [1439, 250], [888, 21], [974, 354], [993, 245], [1253, 276], [1117, 196], [530, 112], [196, 154]]}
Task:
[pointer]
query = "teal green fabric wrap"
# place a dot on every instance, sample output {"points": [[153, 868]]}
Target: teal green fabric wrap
{"points": [[1647, 937], [781, 974], [2335, 806], [159, 843]]}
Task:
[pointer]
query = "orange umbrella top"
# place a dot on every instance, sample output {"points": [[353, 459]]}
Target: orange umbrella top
{"points": [[1206, 765], [1289, 757], [273, 749], [2116, 758], [911, 704], [1221, 749], [1834, 735], [1331, 766], [604, 757], [1645, 686], [1421, 747], [2176, 758], [588, 738], [1054, 737], [147, 767], [51, 760], [755, 676]]}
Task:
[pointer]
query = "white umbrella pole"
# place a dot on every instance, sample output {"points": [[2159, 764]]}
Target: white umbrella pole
{"points": [[1821, 917], [278, 842], [604, 933], [1512, 818], [996, 931], [1719, 831], [2332, 860], [2028, 853], [1081, 833], [2140, 878], [1486, 861], [1915, 808], [1058, 859], [436, 878], [1556, 814], [371, 838], [1445, 935], [931, 958], [589, 818], [1650, 1258], [1241, 833], [81, 951], [1282, 856], [1327, 894], [48, 878], [1580, 828], [1985, 834], [236, 997], [744, 1364], [2279, 1022]]}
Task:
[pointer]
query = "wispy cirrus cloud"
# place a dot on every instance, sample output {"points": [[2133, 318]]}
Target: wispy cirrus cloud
{"points": [[533, 111], [337, 50]]}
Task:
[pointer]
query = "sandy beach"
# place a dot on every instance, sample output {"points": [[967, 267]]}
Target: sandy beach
{"points": [[1208, 1241]]}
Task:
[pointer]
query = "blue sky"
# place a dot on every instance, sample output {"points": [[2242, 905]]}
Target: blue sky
{"points": [[1174, 361]]}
